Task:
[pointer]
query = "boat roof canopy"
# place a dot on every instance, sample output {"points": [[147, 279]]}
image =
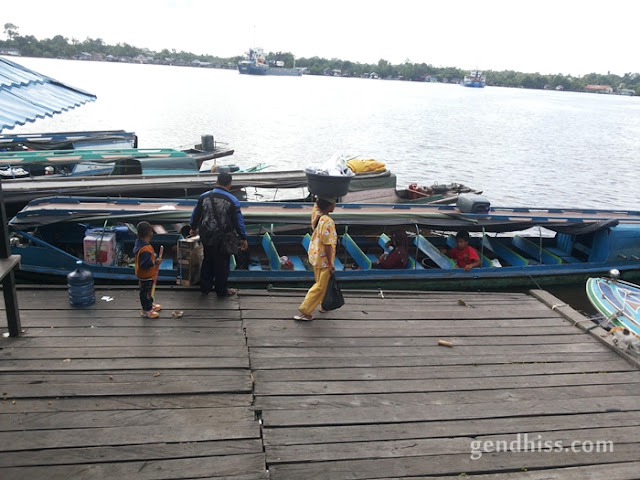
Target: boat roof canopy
{"points": [[50, 210]]}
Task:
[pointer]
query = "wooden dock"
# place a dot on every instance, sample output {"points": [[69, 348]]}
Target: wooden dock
{"points": [[235, 389]]}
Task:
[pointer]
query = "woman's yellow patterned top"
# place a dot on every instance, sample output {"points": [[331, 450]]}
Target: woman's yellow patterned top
{"points": [[324, 234]]}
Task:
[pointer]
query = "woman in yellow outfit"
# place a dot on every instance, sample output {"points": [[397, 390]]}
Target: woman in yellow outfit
{"points": [[322, 251]]}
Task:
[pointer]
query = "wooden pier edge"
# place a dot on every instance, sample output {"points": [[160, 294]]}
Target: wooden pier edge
{"points": [[585, 324]]}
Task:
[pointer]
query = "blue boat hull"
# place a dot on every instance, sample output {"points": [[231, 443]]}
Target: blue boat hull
{"points": [[474, 84], [248, 69]]}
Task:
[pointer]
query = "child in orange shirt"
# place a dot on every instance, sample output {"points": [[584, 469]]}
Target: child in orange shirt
{"points": [[146, 266]]}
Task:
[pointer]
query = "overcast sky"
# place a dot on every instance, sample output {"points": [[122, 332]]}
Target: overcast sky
{"points": [[546, 36]]}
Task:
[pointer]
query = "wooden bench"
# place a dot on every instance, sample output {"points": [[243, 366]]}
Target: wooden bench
{"points": [[306, 241], [504, 252], [440, 259], [362, 259], [254, 264], [564, 247], [411, 263], [274, 258], [541, 255]]}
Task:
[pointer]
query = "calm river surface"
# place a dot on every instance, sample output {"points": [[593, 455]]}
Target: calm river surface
{"points": [[522, 147]]}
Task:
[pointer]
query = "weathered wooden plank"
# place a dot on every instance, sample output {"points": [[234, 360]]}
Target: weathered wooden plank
{"points": [[429, 373], [376, 302], [128, 317], [349, 352], [381, 415], [126, 418], [427, 296], [147, 351], [155, 386], [615, 437], [87, 437], [150, 451], [449, 428], [384, 386], [135, 402], [438, 332], [416, 313], [197, 467], [417, 360], [111, 364], [444, 464], [121, 376], [59, 300], [383, 338], [401, 400], [111, 340], [610, 471], [139, 335], [330, 324]]}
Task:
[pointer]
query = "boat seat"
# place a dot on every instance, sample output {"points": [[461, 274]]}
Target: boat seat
{"points": [[274, 258], [541, 255], [166, 264], [306, 241], [254, 264], [440, 259], [582, 248], [411, 263], [486, 261], [503, 252], [564, 248], [363, 261]]}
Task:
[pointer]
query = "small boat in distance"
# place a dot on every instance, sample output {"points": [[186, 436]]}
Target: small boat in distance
{"points": [[255, 63], [475, 79]]}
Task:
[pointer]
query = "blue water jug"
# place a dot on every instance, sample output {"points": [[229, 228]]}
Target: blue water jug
{"points": [[80, 284]]}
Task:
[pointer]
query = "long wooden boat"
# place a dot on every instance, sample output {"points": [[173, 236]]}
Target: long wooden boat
{"points": [[249, 183], [109, 152], [617, 300], [535, 247]]}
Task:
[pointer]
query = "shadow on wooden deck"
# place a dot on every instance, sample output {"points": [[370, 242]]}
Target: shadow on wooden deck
{"points": [[235, 389]]}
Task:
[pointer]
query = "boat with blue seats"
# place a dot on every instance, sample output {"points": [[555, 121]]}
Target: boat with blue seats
{"points": [[618, 301], [519, 247]]}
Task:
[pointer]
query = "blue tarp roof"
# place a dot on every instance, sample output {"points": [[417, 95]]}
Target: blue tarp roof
{"points": [[26, 95]]}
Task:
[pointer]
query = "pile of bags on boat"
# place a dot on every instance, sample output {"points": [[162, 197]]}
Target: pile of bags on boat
{"points": [[344, 165]]}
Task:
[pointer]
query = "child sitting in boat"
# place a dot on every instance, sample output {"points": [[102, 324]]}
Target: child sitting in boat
{"points": [[396, 252], [146, 267], [464, 254]]}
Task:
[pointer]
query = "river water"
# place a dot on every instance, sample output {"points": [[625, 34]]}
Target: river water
{"points": [[521, 147]]}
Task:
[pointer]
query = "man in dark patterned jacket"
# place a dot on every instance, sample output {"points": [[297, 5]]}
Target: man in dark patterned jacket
{"points": [[217, 213]]}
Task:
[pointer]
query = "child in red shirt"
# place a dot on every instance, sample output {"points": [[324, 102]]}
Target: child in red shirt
{"points": [[465, 255]]}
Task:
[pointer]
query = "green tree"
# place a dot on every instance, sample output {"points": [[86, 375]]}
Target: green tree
{"points": [[11, 31]]}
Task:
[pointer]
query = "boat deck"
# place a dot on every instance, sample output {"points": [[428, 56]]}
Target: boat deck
{"points": [[235, 389]]}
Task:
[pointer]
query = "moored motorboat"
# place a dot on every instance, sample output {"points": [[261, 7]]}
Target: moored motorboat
{"points": [[618, 301], [565, 247], [109, 152], [255, 63]]}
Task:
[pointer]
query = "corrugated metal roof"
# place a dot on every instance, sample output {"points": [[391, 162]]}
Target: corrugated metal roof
{"points": [[26, 95]]}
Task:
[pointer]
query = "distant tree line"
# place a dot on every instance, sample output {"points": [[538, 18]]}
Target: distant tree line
{"points": [[61, 47]]}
